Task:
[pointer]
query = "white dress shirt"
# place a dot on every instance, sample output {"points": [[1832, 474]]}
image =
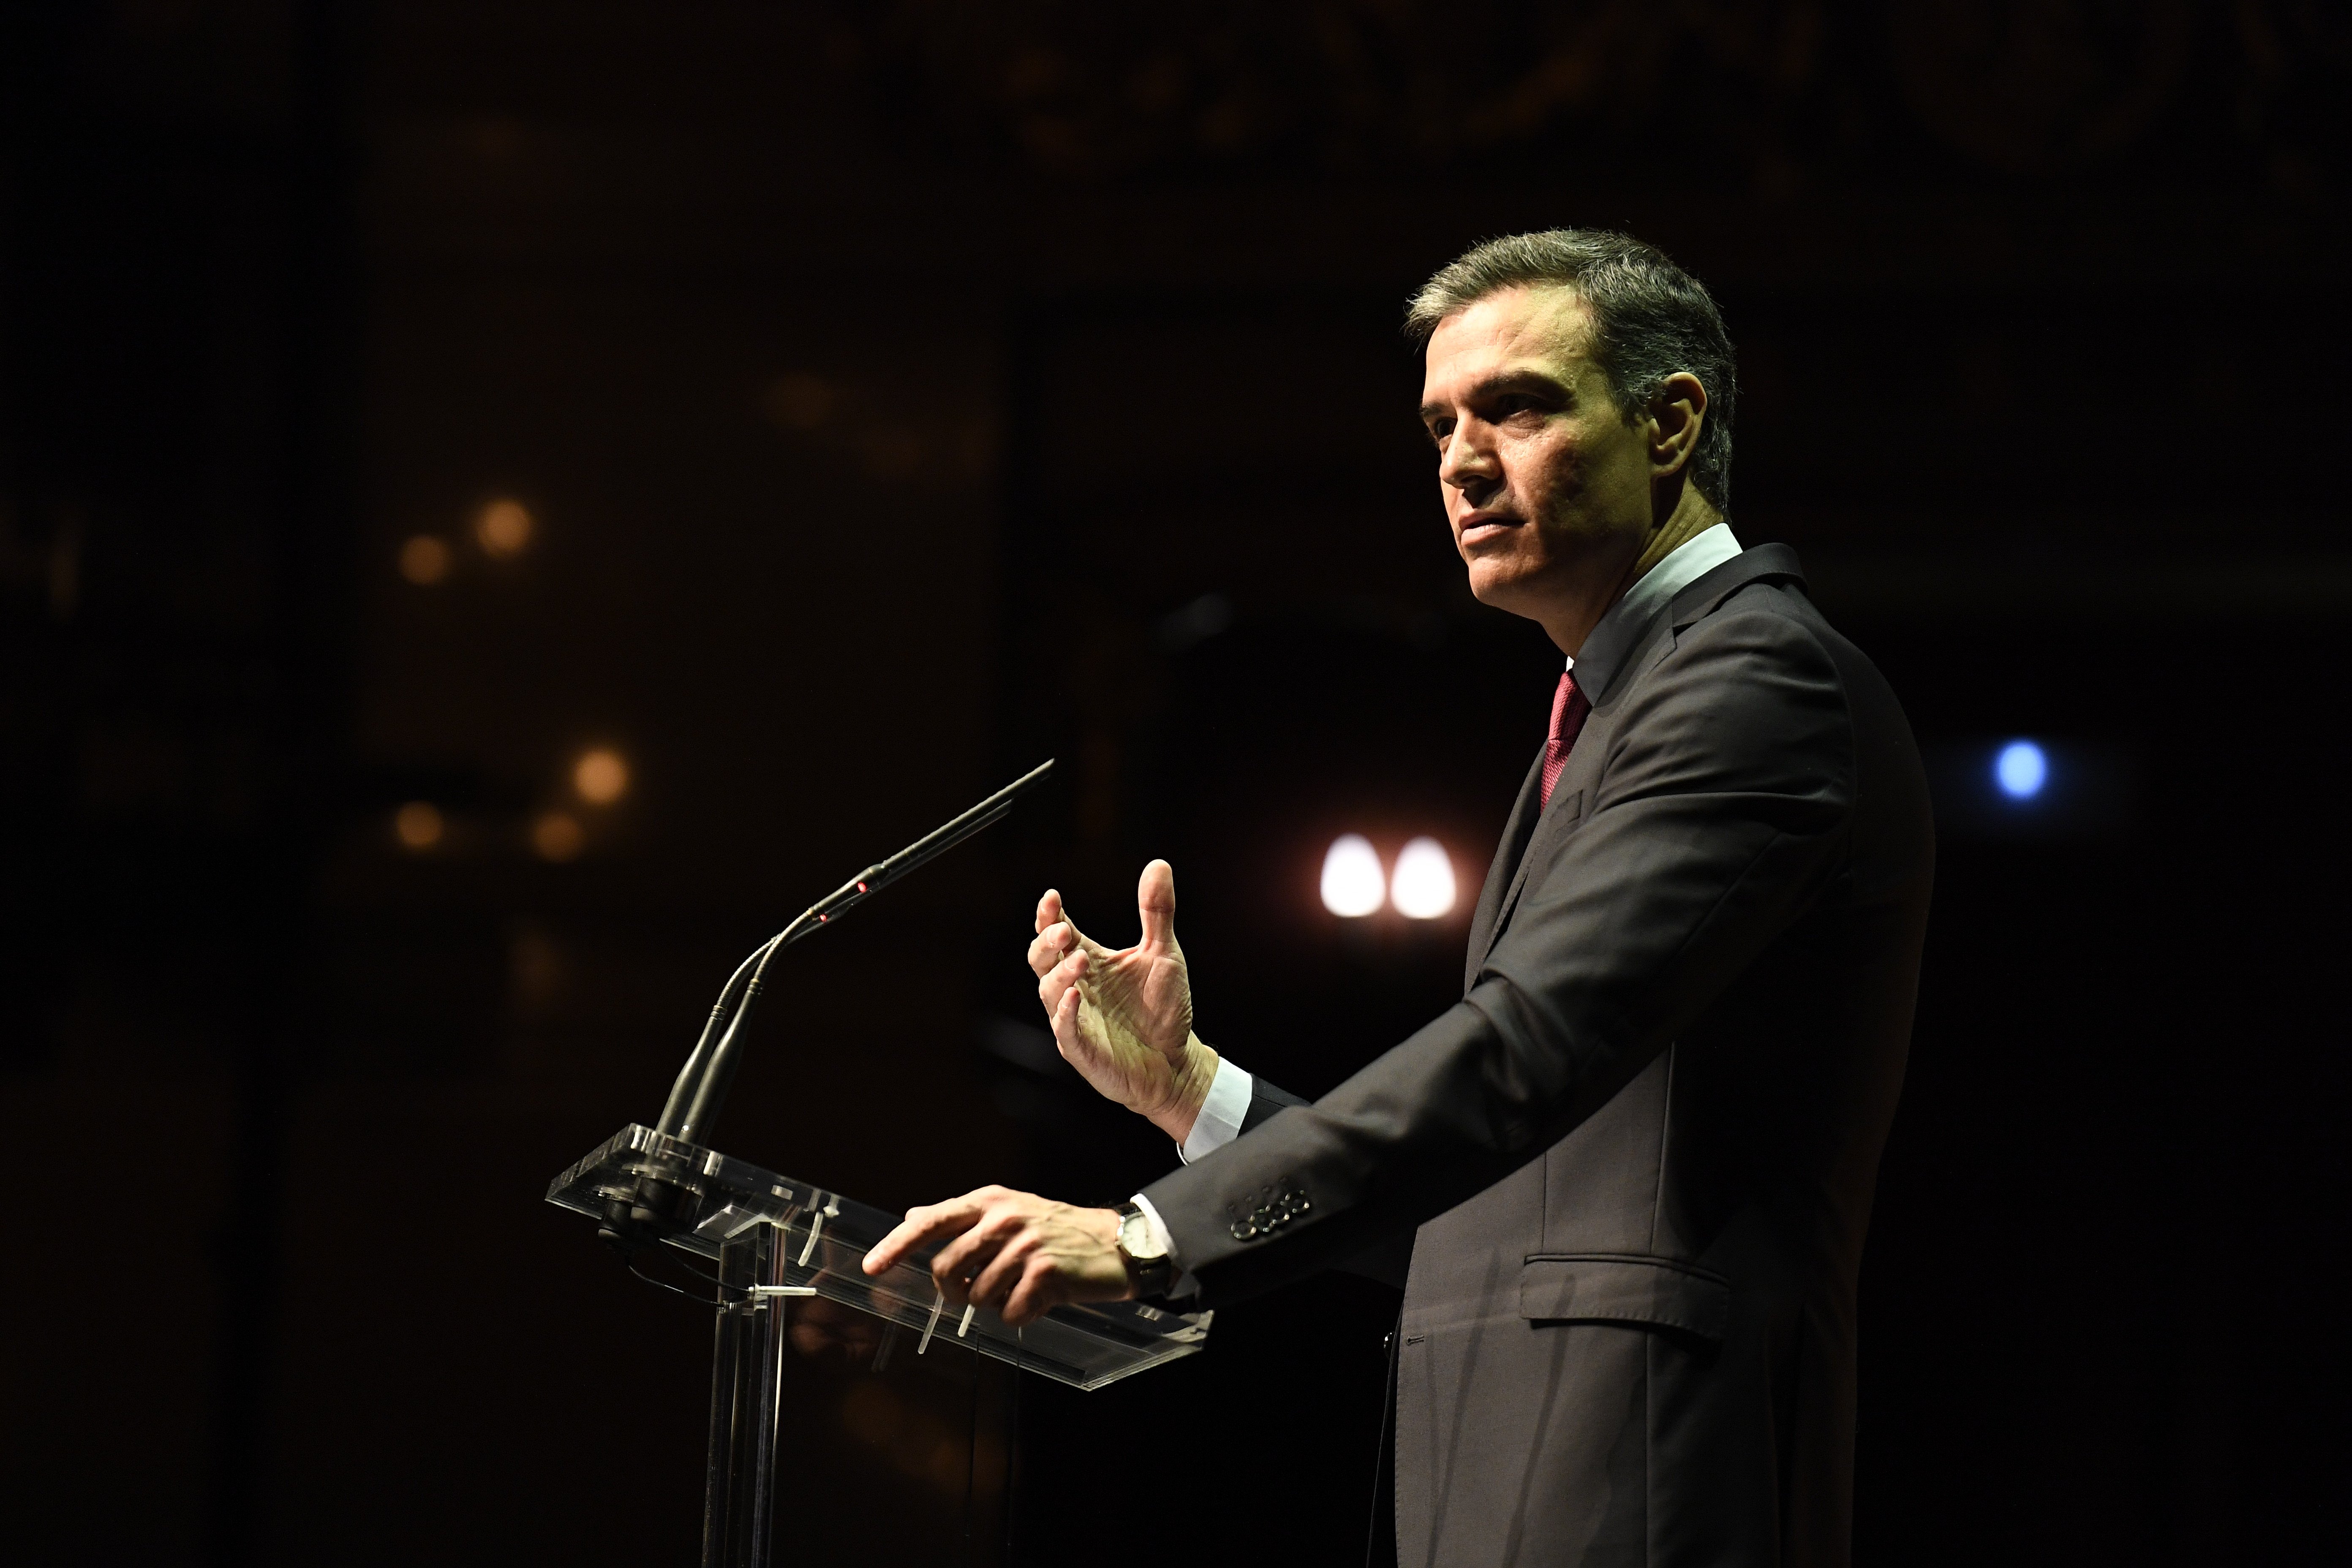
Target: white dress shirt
{"points": [[1613, 638]]}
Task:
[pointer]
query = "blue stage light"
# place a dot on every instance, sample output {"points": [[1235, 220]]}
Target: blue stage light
{"points": [[2021, 770]]}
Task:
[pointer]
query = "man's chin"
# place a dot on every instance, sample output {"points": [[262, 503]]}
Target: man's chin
{"points": [[1498, 589]]}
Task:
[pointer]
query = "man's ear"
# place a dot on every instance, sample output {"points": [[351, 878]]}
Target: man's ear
{"points": [[1678, 415]]}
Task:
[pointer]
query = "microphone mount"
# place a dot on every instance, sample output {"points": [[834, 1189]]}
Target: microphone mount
{"points": [[701, 1085]]}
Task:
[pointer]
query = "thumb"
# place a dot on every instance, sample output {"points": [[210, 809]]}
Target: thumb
{"points": [[1155, 901]]}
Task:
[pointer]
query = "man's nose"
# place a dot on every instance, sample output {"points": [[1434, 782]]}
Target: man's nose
{"points": [[1468, 462]]}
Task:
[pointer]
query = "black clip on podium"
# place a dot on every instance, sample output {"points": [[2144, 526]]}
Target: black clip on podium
{"points": [[774, 1237]]}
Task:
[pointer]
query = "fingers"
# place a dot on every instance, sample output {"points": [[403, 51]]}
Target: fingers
{"points": [[924, 1224], [1040, 1289], [1155, 901], [1053, 945], [985, 1259], [1061, 977], [1015, 1246], [1057, 935], [1067, 1038], [1020, 1282], [1004, 1253], [1023, 1277], [957, 1268]]}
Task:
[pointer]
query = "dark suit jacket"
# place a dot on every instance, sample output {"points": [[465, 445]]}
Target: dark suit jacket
{"points": [[1640, 1149]]}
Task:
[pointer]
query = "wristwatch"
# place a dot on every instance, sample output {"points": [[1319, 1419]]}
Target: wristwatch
{"points": [[1149, 1267]]}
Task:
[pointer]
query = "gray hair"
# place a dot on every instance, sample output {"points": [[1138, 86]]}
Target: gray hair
{"points": [[1650, 320]]}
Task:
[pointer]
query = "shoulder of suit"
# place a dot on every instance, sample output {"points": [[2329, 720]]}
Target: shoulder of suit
{"points": [[1774, 567], [1752, 606]]}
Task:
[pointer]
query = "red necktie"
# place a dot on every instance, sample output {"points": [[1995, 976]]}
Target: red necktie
{"points": [[1567, 710]]}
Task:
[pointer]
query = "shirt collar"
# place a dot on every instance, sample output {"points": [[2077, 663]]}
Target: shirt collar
{"points": [[1620, 628]]}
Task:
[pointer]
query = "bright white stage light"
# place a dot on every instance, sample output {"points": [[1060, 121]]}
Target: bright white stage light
{"points": [[2021, 770], [1423, 887], [1352, 883]]}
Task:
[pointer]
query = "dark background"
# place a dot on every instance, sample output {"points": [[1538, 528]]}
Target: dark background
{"points": [[906, 392]]}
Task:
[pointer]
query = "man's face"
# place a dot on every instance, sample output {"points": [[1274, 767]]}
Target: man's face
{"points": [[1545, 485]]}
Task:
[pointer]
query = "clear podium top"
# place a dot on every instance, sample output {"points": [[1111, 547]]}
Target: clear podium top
{"points": [[707, 1200]]}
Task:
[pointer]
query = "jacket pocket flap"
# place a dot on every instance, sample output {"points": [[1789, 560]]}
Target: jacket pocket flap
{"points": [[1617, 1287]]}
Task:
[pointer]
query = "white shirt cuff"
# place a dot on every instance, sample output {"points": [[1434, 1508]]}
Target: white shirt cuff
{"points": [[1220, 1122]]}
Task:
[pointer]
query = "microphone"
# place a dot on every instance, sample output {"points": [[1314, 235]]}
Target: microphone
{"points": [[710, 1072]]}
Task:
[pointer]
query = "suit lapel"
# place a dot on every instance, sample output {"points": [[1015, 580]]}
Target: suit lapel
{"points": [[1565, 809], [1508, 856], [1548, 828]]}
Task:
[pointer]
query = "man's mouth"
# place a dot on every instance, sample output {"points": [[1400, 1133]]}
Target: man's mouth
{"points": [[1478, 527]]}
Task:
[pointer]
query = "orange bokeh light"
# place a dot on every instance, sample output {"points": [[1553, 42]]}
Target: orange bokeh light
{"points": [[504, 528], [418, 824], [602, 776], [425, 560], [557, 836]]}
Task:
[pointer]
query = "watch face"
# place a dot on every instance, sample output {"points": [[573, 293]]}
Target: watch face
{"points": [[1134, 1238]]}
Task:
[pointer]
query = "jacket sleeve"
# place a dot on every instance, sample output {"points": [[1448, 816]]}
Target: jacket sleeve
{"points": [[1265, 1099], [1719, 815], [1387, 1259]]}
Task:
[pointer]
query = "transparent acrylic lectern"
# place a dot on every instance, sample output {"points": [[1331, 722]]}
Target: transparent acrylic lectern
{"points": [[780, 1242]]}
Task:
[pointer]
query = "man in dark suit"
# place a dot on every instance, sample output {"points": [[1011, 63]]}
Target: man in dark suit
{"points": [[1635, 1161]]}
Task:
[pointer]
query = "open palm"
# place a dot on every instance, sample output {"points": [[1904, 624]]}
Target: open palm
{"points": [[1123, 1016]]}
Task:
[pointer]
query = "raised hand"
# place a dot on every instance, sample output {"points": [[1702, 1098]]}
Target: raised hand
{"points": [[1123, 1018]]}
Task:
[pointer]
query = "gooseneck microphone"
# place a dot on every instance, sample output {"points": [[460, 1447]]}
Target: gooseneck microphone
{"points": [[709, 1070]]}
